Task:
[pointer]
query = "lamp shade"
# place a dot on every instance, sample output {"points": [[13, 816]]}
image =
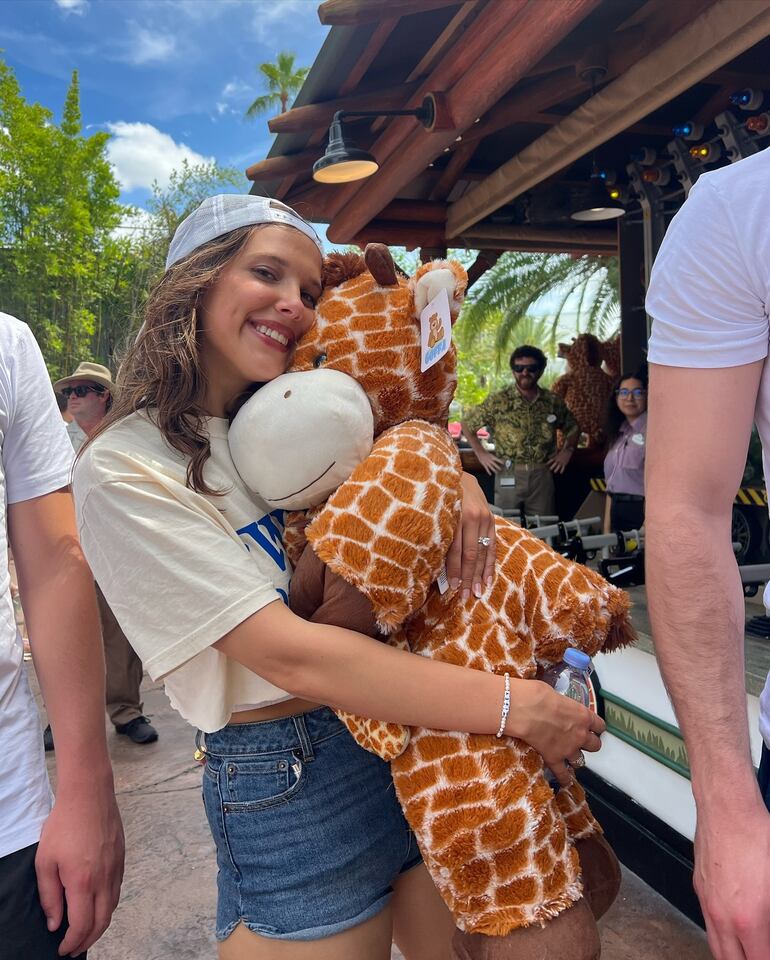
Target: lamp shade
{"points": [[342, 163], [596, 203]]}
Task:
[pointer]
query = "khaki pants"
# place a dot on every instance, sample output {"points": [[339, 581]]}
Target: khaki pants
{"points": [[124, 668], [530, 484]]}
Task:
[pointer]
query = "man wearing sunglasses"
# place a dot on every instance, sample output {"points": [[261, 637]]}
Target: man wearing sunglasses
{"points": [[89, 393], [523, 419]]}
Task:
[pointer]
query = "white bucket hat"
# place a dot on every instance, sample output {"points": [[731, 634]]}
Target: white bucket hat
{"points": [[219, 215]]}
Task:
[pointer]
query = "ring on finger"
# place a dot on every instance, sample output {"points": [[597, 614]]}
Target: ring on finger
{"points": [[485, 541], [579, 761]]}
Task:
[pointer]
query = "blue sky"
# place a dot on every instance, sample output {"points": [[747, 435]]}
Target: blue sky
{"points": [[170, 79]]}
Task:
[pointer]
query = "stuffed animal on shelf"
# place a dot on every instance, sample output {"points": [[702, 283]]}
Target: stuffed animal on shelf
{"points": [[585, 387], [497, 841]]}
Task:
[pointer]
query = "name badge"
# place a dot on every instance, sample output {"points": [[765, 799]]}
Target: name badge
{"points": [[638, 439], [507, 481], [551, 418]]}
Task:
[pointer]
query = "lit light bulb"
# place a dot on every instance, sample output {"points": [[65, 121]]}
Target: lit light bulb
{"points": [[615, 193], [759, 123], [690, 130], [748, 98], [706, 152], [660, 176]]}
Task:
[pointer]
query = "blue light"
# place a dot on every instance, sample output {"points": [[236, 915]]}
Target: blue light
{"points": [[683, 130]]}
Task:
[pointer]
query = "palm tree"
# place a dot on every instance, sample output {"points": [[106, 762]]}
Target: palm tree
{"points": [[586, 287], [283, 81]]}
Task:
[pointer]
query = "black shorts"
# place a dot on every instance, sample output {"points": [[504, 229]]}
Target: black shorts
{"points": [[23, 931]]}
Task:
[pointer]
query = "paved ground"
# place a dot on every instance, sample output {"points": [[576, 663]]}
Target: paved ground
{"points": [[167, 906]]}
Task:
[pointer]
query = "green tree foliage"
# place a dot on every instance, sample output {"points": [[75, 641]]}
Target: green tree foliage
{"points": [[135, 259], [58, 205], [283, 81], [584, 287]]}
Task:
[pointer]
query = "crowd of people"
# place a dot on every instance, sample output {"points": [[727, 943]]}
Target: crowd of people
{"points": [[315, 857]]}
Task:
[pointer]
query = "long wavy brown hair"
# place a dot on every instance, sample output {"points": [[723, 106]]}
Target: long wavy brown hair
{"points": [[161, 371]]}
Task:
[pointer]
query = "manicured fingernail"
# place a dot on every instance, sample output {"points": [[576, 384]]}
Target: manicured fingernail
{"points": [[466, 593], [490, 578], [455, 582], [477, 590]]}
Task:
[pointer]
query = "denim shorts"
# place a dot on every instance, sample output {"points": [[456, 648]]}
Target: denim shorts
{"points": [[308, 830]]}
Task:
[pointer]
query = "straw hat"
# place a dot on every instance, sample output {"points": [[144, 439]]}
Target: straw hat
{"points": [[94, 372]]}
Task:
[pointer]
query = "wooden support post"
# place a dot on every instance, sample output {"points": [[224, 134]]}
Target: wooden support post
{"points": [[633, 319]]}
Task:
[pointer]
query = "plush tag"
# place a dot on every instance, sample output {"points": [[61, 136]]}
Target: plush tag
{"points": [[435, 330], [442, 582]]}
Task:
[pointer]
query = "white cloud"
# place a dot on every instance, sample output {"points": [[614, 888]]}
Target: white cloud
{"points": [[77, 7], [268, 14], [136, 224], [147, 46], [236, 89], [222, 108], [140, 154]]}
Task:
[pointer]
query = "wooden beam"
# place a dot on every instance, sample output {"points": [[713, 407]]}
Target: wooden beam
{"points": [[282, 166], [421, 211], [351, 13], [488, 234], [533, 98], [716, 103], [504, 58], [410, 234], [314, 115], [726, 29], [369, 53], [453, 170], [495, 20]]}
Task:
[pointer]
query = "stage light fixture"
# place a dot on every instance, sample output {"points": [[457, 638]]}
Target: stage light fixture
{"points": [[758, 123], [748, 98], [689, 130], [646, 156], [706, 152], [659, 176]]}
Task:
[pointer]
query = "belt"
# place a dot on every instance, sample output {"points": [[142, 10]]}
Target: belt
{"points": [[626, 497], [523, 464]]}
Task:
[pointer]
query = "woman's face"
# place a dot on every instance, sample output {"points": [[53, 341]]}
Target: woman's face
{"points": [[251, 317], [631, 398]]}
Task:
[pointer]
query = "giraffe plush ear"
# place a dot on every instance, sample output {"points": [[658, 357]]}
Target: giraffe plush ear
{"points": [[434, 276], [387, 529]]}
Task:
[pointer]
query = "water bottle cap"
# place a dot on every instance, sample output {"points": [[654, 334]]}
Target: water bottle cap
{"points": [[576, 658]]}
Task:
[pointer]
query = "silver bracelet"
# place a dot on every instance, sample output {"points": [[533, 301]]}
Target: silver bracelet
{"points": [[506, 707]]}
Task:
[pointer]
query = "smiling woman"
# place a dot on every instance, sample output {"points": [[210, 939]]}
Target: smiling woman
{"points": [[192, 563]]}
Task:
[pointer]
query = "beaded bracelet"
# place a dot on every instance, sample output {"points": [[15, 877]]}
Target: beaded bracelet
{"points": [[506, 707]]}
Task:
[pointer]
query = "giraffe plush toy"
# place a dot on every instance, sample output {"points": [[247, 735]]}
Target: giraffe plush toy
{"points": [[585, 387], [500, 846]]}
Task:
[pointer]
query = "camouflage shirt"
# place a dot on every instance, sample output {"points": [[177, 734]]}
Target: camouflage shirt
{"points": [[522, 431]]}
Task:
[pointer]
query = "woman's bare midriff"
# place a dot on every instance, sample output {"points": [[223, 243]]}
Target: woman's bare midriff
{"points": [[286, 708]]}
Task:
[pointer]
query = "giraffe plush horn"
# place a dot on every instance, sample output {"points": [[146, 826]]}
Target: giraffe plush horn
{"points": [[380, 264]]}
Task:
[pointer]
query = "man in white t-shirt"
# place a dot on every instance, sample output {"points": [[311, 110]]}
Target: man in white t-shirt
{"points": [[60, 869], [709, 298]]}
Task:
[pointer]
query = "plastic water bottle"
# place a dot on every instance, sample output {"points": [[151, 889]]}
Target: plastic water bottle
{"points": [[571, 677]]}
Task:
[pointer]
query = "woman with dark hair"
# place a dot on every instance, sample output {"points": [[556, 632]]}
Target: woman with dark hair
{"points": [[315, 857], [624, 462]]}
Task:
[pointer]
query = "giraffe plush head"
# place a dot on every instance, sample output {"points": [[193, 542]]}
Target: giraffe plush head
{"points": [[368, 326]]}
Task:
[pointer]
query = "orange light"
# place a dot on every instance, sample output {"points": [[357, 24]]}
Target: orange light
{"points": [[759, 123]]}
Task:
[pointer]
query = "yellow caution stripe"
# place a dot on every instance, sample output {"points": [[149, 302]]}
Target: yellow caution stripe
{"points": [[748, 496]]}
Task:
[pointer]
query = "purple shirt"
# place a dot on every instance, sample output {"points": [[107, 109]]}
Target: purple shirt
{"points": [[624, 463]]}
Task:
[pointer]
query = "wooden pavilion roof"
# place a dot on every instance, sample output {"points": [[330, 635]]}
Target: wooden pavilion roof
{"points": [[518, 120]]}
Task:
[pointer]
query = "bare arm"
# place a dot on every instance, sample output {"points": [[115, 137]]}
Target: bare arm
{"points": [[699, 426], [81, 849], [486, 458], [330, 665]]}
